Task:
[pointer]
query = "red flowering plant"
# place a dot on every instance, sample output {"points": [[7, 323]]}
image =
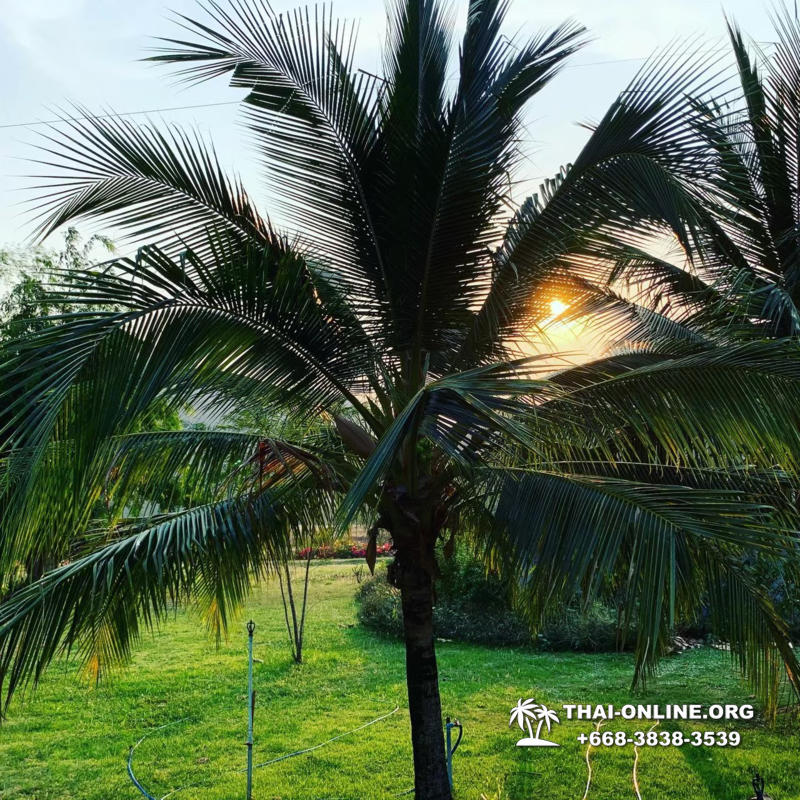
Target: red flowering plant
{"points": [[341, 550]]}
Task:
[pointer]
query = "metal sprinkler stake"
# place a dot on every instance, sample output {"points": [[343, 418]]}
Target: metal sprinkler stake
{"points": [[451, 748], [758, 788], [251, 702]]}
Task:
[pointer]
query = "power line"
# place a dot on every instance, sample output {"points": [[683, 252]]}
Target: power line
{"points": [[33, 123], [601, 63], [36, 123]]}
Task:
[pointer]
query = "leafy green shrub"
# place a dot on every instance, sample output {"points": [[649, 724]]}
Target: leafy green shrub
{"points": [[475, 607], [379, 605], [454, 617], [472, 606], [593, 630]]}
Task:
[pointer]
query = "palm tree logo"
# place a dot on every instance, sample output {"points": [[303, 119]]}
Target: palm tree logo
{"points": [[525, 711]]}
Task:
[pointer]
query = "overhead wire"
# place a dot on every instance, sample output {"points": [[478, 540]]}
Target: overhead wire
{"points": [[196, 106]]}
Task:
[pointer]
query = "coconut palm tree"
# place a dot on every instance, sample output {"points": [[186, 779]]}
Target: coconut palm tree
{"points": [[394, 323], [737, 278]]}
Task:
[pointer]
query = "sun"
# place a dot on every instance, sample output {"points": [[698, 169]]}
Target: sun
{"points": [[557, 308]]}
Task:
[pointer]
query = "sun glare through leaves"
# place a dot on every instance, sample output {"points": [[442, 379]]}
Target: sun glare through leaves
{"points": [[557, 308]]}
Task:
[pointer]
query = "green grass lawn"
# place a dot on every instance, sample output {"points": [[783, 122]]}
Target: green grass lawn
{"points": [[67, 740]]}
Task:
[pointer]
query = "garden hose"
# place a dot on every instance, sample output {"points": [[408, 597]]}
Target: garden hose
{"points": [[133, 747], [328, 741], [143, 791]]}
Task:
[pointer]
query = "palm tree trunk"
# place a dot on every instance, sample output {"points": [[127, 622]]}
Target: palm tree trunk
{"points": [[425, 708]]}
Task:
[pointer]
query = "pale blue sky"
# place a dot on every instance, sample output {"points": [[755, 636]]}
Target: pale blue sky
{"points": [[56, 51]]}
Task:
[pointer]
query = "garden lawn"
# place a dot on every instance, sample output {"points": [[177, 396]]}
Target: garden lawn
{"points": [[69, 740]]}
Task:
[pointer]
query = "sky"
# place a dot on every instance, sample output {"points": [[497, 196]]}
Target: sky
{"points": [[57, 52]]}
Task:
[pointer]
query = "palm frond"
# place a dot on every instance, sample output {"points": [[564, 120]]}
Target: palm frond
{"points": [[159, 186], [560, 533], [313, 117], [476, 157], [186, 334], [722, 406], [94, 607], [192, 329], [634, 172]]}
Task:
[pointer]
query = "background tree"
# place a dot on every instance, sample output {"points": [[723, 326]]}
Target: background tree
{"points": [[26, 308], [400, 317], [25, 305], [295, 603]]}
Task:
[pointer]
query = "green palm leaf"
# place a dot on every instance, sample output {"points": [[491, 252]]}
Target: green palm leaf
{"points": [[161, 187], [94, 606], [561, 533]]}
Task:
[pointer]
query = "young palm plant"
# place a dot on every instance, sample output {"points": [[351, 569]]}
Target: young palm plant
{"points": [[398, 319]]}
